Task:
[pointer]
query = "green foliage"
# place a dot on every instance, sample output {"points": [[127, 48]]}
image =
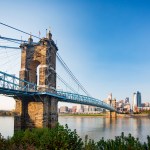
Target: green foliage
{"points": [[62, 138], [119, 143], [59, 138], [144, 111]]}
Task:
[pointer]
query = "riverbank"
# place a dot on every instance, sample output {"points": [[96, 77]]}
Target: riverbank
{"points": [[94, 127], [82, 115], [11, 113], [63, 138], [105, 115], [132, 115]]}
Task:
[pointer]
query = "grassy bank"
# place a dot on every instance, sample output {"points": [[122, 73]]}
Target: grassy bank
{"points": [[105, 115], [133, 115], [62, 138]]}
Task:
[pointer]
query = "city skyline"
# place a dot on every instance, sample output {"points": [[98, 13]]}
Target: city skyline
{"points": [[111, 40]]}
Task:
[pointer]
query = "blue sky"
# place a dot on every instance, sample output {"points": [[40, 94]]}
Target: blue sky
{"points": [[106, 43]]}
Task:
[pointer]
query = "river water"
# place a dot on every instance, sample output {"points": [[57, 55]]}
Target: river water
{"points": [[94, 127]]}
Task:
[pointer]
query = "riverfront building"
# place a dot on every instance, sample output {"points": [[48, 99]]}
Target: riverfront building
{"points": [[63, 109], [136, 101], [127, 100]]}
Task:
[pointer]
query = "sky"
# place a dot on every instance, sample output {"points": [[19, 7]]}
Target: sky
{"points": [[105, 43]]}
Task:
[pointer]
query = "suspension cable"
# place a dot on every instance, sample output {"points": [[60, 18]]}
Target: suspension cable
{"points": [[65, 67], [15, 40], [18, 30], [58, 56], [71, 74], [66, 84], [8, 61], [12, 39], [9, 47]]}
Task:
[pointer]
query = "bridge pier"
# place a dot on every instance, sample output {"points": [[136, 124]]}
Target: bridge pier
{"points": [[38, 113], [112, 114]]}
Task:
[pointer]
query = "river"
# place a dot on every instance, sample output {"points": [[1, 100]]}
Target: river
{"points": [[94, 127]]}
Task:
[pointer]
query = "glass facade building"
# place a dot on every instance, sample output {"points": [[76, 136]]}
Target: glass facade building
{"points": [[137, 99]]}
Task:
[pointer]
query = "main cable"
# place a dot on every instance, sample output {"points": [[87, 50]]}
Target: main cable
{"points": [[18, 30], [71, 74]]}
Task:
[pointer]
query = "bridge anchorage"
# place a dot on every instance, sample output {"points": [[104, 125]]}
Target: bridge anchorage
{"points": [[35, 90]]}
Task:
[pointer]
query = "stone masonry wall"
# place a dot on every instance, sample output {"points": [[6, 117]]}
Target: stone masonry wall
{"points": [[34, 111]]}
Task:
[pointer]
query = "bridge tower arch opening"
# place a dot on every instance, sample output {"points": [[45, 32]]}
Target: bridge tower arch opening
{"points": [[34, 72], [38, 65]]}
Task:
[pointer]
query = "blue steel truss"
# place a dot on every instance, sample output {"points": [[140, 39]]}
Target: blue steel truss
{"points": [[13, 86], [81, 99], [11, 82]]}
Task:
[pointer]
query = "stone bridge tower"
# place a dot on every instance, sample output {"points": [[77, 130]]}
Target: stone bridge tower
{"points": [[112, 102], [38, 65]]}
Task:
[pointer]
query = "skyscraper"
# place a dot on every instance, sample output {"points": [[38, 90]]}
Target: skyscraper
{"points": [[134, 99], [138, 99]]}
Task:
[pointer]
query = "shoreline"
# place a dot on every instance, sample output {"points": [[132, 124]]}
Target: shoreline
{"points": [[12, 114], [105, 115]]}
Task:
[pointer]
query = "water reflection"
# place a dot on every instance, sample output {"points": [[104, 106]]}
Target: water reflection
{"points": [[94, 127], [109, 123], [137, 127], [97, 128], [7, 126]]}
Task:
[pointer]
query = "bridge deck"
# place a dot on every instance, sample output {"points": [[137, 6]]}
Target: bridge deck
{"points": [[11, 86]]}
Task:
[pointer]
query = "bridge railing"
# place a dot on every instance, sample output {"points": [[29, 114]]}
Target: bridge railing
{"points": [[8, 81], [72, 97]]}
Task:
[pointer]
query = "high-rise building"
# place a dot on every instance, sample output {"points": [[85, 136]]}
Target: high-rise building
{"points": [[134, 99], [138, 99]]}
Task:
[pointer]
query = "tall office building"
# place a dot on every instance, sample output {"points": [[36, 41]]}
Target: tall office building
{"points": [[134, 99], [138, 99]]}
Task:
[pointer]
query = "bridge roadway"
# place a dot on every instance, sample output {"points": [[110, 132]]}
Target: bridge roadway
{"points": [[12, 86]]}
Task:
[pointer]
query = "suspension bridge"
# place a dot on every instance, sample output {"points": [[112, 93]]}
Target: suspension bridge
{"points": [[35, 89]]}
